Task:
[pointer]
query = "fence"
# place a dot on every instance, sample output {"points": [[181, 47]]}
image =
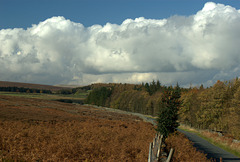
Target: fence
{"points": [[155, 154]]}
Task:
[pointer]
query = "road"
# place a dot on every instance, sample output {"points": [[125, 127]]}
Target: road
{"points": [[209, 149]]}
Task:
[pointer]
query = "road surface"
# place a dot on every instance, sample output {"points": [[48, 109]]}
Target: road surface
{"points": [[209, 149]]}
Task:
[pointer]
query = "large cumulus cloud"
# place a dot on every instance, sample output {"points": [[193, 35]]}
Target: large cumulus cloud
{"points": [[200, 48]]}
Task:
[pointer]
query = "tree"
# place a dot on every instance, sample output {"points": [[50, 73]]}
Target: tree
{"points": [[168, 114], [99, 96], [153, 87], [147, 87], [158, 85], [189, 108]]}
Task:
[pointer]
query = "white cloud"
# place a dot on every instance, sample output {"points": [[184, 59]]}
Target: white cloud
{"points": [[196, 49]]}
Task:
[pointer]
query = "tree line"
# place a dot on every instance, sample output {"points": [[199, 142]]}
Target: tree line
{"points": [[146, 98], [216, 108], [34, 90], [142, 98], [24, 90], [74, 90]]}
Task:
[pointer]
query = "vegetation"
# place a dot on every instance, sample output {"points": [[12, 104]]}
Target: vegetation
{"points": [[22, 89], [168, 115], [152, 87], [63, 91], [216, 139], [215, 108], [144, 98], [99, 96], [42, 130], [183, 149], [75, 95], [74, 91]]}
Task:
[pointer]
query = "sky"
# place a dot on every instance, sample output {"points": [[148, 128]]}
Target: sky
{"points": [[80, 42]]}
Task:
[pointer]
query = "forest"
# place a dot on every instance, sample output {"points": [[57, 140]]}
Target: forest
{"points": [[216, 108]]}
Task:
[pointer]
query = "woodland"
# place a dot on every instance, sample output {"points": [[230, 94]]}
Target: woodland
{"points": [[215, 108]]}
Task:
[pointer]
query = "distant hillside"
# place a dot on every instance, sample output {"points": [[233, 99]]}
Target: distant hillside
{"points": [[67, 86], [31, 86]]}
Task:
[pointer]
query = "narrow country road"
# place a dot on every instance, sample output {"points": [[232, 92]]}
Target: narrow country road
{"points": [[209, 149]]}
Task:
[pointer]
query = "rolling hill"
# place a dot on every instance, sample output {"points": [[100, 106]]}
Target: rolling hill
{"points": [[32, 86]]}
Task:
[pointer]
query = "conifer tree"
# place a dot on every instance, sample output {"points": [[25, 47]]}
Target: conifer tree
{"points": [[158, 85], [147, 87], [168, 114]]}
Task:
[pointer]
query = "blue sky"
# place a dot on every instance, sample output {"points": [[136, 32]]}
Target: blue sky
{"points": [[129, 41], [24, 13]]}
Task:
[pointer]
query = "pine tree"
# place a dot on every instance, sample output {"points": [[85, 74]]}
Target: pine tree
{"points": [[158, 85], [168, 114], [147, 87]]}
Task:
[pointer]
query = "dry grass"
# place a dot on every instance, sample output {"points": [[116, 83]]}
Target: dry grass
{"points": [[73, 141], [43, 130], [183, 149]]}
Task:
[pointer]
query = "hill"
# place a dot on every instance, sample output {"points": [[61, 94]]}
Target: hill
{"points": [[32, 86]]}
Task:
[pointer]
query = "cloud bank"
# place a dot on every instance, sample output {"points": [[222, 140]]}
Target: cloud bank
{"points": [[200, 48]]}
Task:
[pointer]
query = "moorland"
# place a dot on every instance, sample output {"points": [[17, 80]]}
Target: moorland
{"points": [[37, 127]]}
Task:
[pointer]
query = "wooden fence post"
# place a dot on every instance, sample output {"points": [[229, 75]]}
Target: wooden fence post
{"points": [[159, 147], [150, 153], [170, 155], [155, 150], [154, 142]]}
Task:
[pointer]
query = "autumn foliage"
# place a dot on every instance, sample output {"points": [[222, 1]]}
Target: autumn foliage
{"points": [[215, 108]]}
